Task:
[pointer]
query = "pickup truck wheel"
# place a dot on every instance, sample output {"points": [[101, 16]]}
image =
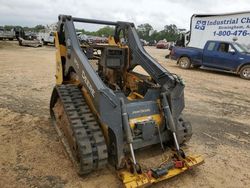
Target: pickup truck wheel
{"points": [[245, 72], [184, 62], [43, 42]]}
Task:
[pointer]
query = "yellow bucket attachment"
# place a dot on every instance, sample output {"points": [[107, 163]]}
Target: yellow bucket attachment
{"points": [[133, 180]]}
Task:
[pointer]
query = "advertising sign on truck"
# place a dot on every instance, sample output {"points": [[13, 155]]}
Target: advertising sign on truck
{"points": [[222, 27]]}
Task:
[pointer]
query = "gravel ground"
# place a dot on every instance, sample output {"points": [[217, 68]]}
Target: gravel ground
{"points": [[217, 105]]}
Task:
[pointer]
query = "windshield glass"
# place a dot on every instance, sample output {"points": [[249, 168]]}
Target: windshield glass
{"points": [[240, 48]]}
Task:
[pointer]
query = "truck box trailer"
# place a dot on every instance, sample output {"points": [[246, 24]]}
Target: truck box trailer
{"points": [[220, 27]]}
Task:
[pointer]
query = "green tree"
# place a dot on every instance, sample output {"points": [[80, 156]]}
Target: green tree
{"points": [[81, 30], [38, 28], [8, 27], [144, 31], [27, 29], [105, 31], [171, 32]]}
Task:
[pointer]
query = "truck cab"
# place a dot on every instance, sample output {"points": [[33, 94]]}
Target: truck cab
{"points": [[223, 56]]}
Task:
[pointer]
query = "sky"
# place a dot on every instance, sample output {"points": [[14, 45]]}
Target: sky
{"points": [[157, 13]]}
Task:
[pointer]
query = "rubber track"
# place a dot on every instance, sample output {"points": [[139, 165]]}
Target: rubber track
{"points": [[91, 146]]}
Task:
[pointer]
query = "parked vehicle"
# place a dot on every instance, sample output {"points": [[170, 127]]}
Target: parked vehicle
{"points": [[5, 34], [144, 42], [27, 38], [171, 45], [183, 39], [46, 37], [162, 44], [216, 55], [219, 27], [88, 39], [152, 43]]}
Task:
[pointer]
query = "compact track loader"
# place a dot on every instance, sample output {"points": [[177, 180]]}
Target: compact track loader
{"points": [[106, 112]]}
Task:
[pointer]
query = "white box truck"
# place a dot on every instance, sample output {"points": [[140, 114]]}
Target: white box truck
{"points": [[219, 27], [47, 37]]}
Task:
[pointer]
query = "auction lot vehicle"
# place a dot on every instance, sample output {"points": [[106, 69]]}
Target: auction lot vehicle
{"points": [[27, 38], [162, 44], [216, 55], [219, 27], [88, 39], [46, 37], [183, 39], [5, 34], [105, 112]]}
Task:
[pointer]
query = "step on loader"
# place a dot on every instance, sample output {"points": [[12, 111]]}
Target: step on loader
{"points": [[106, 112]]}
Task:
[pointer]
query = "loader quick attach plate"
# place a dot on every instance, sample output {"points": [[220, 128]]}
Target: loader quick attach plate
{"points": [[145, 179]]}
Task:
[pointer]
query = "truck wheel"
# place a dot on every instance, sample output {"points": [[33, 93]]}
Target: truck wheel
{"points": [[245, 72], [43, 42], [184, 62]]}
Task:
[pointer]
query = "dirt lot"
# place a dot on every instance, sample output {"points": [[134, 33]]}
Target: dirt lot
{"points": [[217, 105]]}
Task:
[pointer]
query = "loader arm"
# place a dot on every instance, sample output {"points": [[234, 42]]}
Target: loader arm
{"points": [[138, 53], [171, 86], [78, 61], [141, 57]]}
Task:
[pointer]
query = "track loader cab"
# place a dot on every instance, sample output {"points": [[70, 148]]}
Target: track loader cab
{"points": [[104, 111]]}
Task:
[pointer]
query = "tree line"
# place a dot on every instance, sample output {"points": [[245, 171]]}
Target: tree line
{"points": [[145, 31], [169, 32], [37, 28]]}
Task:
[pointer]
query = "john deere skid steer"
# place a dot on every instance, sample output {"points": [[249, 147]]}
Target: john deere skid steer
{"points": [[105, 112]]}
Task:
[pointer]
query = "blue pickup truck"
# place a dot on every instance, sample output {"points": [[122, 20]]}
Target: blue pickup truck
{"points": [[216, 55]]}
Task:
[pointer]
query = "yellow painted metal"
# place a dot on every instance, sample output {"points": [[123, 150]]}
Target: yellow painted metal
{"points": [[60, 52], [134, 95], [156, 117], [132, 81], [131, 180], [111, 41]]}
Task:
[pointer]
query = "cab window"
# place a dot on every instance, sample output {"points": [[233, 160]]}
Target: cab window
{"points": [[211, 46], [225, 47]]}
